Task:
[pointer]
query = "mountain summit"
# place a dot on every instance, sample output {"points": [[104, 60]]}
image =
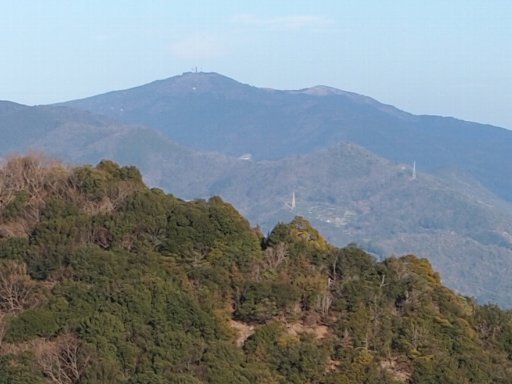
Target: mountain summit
{"points": [[346, 158], [208, 111]]}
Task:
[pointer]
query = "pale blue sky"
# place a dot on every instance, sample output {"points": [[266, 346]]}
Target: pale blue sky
{"points": [[446, 57]]}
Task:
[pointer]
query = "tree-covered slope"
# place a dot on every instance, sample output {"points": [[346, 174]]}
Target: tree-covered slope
{"points": [[78, 136], [103, 280], [208, 111], [351, 195], [347, 192]]}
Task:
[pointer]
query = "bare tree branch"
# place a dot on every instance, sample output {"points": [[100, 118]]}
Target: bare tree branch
{"points": [[62, 361], [17, 289]]}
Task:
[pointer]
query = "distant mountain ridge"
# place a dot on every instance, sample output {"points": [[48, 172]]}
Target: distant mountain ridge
{"points": [[352, 195], [208, 111], [318, 142]]}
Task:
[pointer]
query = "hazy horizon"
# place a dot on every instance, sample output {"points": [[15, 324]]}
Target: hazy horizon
{"points": [[450, 59]]}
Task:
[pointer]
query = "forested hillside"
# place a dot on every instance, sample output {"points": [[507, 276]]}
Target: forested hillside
{"points": [[347, 192], [208, 111], [103, 280]]}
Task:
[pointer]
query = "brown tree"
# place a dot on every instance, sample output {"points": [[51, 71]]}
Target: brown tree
{"points": [[3, 327], [62, 361], [17, 289]]}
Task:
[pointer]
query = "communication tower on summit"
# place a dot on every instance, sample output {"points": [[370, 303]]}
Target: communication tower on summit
{"points": [[413, 176]]}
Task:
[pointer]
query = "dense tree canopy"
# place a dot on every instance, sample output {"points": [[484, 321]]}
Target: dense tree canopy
{"points": [[103, 280]]}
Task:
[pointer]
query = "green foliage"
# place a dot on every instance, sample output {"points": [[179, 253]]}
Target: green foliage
{"points": [[301, 235], [153, 289], [261, 302], [33, 323], [16, 205], [119, 173], [19, 370], [91, 182], [298, 360], [14, 248]]}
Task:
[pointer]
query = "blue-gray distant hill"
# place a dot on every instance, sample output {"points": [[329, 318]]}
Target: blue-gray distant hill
{"points": [[349, 192], [208, 111], [79, 136]]}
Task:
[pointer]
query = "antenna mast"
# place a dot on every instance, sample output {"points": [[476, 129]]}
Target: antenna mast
{"points": [[413, 177]]}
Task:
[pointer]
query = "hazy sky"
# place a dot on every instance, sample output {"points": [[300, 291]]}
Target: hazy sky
{"points": [[446, 57]]}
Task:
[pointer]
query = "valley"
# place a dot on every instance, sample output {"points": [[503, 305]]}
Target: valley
{"points": [[347, 158]]}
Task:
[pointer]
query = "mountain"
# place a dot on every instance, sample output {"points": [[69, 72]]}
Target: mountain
{"points": [[351, 194], [77, 136], [104, 280], [72, 134], [373, 202], [208, 111]]}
